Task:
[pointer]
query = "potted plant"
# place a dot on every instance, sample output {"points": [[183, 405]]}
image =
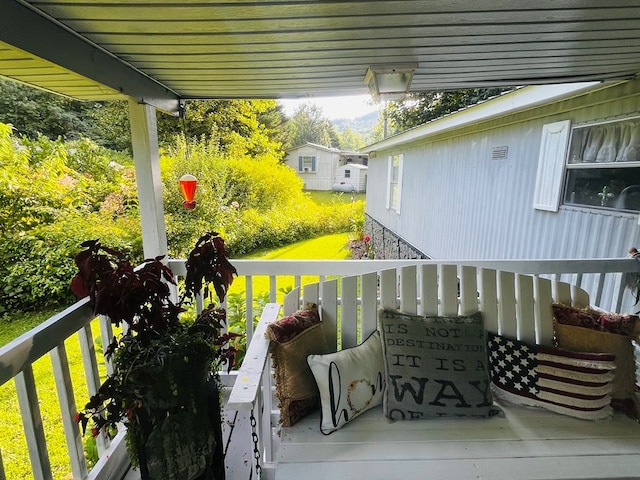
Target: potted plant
{"points": [[165, 383]]}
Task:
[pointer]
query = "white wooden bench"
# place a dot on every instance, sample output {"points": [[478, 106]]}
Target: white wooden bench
{"points": [[526, 444]]}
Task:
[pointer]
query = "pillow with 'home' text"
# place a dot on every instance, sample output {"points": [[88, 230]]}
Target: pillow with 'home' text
{"points": [[350, 382]]}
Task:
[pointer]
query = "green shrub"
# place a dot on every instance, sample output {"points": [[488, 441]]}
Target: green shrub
{"points": [[37, 266], [48, 208], [55, 195]]}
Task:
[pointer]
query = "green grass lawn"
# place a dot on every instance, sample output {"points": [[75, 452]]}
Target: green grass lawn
{"points": [[329, 196], [12, 442], [329, 247]]}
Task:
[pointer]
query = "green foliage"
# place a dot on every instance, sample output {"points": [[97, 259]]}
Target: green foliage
{"points": [[309, 125], [237, 320], [362, 126], [253, 202], [417, 109], [357, 225], [35, 112], [48, 208], [54, 195], [349, 139], [248, 127]]}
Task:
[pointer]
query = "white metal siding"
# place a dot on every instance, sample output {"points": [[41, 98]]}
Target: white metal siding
{"points": [[459, 203]]}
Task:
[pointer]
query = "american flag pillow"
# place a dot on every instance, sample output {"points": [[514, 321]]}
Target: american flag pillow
{"points": [[570, 383]]}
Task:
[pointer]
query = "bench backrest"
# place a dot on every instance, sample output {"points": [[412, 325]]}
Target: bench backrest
{"points": [[512, 304]]}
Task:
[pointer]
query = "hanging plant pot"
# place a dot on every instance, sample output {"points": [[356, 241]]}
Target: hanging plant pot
{"points": [[165, 370], [181, 448]]}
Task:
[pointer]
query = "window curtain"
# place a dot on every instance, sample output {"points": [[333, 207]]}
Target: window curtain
{"points": [[610, 142]]}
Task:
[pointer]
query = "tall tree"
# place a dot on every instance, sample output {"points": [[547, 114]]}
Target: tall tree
{"points": [[254, 126], [32, 112], [421, 108], [309, 125], [349, 139]]}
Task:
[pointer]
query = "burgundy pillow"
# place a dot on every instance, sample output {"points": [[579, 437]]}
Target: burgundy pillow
{"points": [[293, 338], [621, 324]]}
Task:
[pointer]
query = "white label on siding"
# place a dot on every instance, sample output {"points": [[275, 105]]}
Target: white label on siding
{"points": [[553, 148]]}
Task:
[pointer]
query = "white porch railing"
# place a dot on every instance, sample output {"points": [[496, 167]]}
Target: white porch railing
{"points": [[603, 279]]}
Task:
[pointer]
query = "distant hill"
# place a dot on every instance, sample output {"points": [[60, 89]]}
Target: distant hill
{"points": [[363, 125]]}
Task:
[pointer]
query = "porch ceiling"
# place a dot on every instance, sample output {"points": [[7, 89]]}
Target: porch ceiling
{"points": [[161, 51]]}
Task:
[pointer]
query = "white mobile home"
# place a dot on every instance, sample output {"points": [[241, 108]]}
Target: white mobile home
{"points": [[318, 166], [542, 172]]}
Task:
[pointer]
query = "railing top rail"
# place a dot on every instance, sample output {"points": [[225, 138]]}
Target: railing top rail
{"points": [[39, 341], [353, 267]]}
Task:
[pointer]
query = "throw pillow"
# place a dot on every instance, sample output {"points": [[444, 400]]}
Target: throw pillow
{"points": [[435, 366], [622, 324], [350, 381], [293, 338], [603, 332], [570, 383], [582, 339]]}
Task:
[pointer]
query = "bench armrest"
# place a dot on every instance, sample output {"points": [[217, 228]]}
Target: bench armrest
{"points": [[249, 380]]}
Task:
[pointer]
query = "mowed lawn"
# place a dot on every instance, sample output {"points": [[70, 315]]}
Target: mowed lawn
{"points": [[13, 445], [329, 247]]}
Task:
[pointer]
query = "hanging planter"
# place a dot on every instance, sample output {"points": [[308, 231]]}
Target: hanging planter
{"points": [[164, 385]]}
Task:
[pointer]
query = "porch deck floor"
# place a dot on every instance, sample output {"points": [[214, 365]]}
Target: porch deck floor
{"points": [[237, 445]]}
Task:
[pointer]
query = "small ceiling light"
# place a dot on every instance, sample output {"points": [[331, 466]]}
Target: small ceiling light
{"points": [[389, 82]]}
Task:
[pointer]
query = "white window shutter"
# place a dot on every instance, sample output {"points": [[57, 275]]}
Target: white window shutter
{"points": [[389, 180], [399, 187], [551, 162]]}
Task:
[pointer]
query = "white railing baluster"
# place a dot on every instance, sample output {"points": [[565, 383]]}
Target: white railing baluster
{"points": [[64, 388], [618, 292], [265, 427], [249, 307], [273, 287], [368, 304], [597, 298], [92, 373], [408, 289], [32, 422], [349, 312], [106, 336]]}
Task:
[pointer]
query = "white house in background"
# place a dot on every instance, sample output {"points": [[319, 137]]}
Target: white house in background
{"points": [[542, 172], [318, 166]]}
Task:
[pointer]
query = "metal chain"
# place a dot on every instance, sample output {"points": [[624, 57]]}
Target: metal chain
{"points": [[256, 450]]}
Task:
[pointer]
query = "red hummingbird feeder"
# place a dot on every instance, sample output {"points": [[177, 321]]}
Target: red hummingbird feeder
{"points": [[188, 184]]}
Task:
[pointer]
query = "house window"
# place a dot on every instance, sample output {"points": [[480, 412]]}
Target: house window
{"points": [[394, 184], [347, 174], [603, 165], [306, 164]]}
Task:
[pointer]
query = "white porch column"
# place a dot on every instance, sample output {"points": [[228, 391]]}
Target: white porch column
{"points": [[144, 138]]}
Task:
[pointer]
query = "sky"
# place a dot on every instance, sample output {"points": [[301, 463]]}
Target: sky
{"points": [[335, 107]]}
